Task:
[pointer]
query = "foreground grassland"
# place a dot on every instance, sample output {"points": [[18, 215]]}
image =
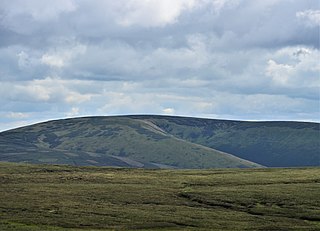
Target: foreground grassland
{"points": [[42, 197]]}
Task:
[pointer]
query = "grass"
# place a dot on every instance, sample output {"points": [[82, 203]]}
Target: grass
{"points": [[43, 197], [108, 138], [272, 144], [178, 142]]}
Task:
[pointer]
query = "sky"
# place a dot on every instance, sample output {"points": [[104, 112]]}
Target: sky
{"points": [[223, 59]]}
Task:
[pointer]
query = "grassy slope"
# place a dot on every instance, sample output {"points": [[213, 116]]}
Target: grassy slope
{"points": [[106, 141], [173, 141], [39, 197], [272, 144]]}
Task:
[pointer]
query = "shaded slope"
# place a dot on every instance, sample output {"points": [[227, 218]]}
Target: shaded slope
{"points": [[109, 141], [273, 144]]}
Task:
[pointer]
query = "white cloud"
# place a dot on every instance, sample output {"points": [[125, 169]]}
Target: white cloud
{"points": [[62, 56], [280, 73], [48, 90], [33, 92], [150, 13], [53, 60], [17, 115], [75, 97], [73, 112], [23, 59], [159, 13], [168, 111], [297, 67], [310, 17]]}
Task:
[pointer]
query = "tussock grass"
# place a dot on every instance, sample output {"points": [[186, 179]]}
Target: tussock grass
{"points": [[43, 197]]}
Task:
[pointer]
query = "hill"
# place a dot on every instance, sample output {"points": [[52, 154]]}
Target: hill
{"points": [[269, 143], [109, 141], [164, 142], [52, 197]]}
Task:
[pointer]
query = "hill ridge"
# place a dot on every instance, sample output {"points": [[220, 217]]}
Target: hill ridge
{"points": [[158, 140]]}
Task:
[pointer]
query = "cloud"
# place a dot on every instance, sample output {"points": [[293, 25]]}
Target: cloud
{"points": [[47, 90], [151, 13], [169, 111], [38, 9], [299, 67], [60, 58], [35, 92], [280, 73], [17, 115], [211, 58], [76, 98], [25, 16], [310, 17], [53, 60], [23, 60], [73, 112]]}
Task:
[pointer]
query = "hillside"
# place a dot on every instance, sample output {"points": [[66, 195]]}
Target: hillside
{"points": [[164, 142], [272, 144], [110, 141], [55, 197]]}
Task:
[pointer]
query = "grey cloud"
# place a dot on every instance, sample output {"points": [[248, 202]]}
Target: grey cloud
{"points": [[236, 59]]}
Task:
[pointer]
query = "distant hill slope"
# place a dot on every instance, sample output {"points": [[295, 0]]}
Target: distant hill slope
{"points": [[110, 141], [164, 141], [272, 144]]}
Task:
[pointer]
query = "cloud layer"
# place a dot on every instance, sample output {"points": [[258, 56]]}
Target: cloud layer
{"points": [[233, 59]]}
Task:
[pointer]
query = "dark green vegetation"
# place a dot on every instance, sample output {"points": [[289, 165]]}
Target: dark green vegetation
{"points": [[163, 142], [272, 144], [109, 141], [53, 197]]}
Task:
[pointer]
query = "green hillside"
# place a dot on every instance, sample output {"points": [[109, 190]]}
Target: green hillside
{"points": [[272, 144], [109, 141], [164, 142], [51, 197]]}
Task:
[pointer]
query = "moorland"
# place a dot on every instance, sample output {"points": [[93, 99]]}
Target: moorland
{"points": [[58, 197], [152, 141]]}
